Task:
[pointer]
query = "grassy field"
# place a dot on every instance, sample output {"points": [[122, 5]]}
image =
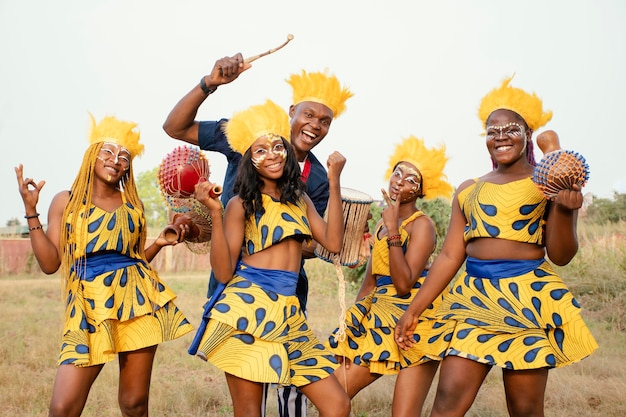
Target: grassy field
{"points": [[185, 386]]}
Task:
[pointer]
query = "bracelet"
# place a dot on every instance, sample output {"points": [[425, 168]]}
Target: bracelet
{"points": [[34, 216], [394, 237], [30, 229], [394, 242], [205, 89]]}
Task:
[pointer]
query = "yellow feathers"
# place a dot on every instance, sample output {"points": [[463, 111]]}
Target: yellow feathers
{"points": [[429, 161], [248, 125], [529, 106], [319, 87], [116, 131]]}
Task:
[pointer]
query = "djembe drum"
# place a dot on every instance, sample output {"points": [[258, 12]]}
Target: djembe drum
{"points": [[558, 169], [356, 207], [178, 174]]}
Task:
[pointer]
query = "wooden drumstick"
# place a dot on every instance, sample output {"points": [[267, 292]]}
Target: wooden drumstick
{"points": [[548, 141], [271, 51]]}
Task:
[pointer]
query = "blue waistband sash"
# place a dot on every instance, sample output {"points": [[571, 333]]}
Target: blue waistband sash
{"points": [[277, 280], [500, 268], [386, 279], [100, 263]]}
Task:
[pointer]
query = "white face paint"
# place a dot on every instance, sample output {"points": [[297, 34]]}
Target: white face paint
{"points": [[112, 153], [512, 130], [273, 147], [118, 154], [403, 176]]}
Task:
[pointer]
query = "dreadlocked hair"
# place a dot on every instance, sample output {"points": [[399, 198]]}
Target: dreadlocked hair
{"points": [[249, 186], [74, 231]]}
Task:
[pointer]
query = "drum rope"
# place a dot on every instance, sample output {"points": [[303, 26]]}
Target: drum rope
{"points": [[340, 333]]}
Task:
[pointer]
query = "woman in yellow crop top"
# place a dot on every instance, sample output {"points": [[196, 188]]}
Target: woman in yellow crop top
{"points": [[116, 305], [509, 309], [404, 240], [253, 327]]}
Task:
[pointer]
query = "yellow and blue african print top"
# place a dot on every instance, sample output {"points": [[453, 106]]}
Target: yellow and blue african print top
{"points": [[279, 221], [380, 251], [512, 211], [116, 231]]}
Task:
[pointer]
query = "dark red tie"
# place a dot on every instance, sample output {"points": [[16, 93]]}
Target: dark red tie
{"points": [[306, 170]]}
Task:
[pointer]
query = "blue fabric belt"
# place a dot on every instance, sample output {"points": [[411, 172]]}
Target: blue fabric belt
{"points": [[276, 280], [500, 268], [100, 263], [386, 279]]}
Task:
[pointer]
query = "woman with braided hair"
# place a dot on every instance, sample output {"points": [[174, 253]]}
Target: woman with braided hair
{"points": [[509, 308], [116, 304]]}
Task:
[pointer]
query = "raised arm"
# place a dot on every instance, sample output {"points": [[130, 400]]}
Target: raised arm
{"points": [[407, 266], [225, 249], [330, 233], [181, 123], [45, 244]]}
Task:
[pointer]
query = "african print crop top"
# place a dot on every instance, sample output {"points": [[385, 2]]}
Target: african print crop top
{"points": [[110, 231], [277, 223], [511, 211], [380, 250]]}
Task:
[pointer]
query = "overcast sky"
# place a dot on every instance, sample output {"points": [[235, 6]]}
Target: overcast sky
{"points": [[415, 67]]}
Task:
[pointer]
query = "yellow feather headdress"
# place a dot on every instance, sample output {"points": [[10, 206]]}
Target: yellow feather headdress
{"points": [[430, 162], [527, 105], [116, 131], [320, 87], [248, 125]]}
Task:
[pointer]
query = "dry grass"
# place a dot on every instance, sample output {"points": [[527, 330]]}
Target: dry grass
{"points": [[185, 386]]}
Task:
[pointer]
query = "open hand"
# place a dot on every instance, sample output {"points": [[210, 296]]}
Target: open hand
{"points": [[403, 333]]}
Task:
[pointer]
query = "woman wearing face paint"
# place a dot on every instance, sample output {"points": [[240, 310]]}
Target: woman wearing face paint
{"points": [[509, 309], [253, 327], [116, 304], [404, 240]]}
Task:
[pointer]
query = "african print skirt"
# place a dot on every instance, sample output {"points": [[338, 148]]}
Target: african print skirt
{"points": [[254, 329], [116, 304], [371, 321], [512, 314]]}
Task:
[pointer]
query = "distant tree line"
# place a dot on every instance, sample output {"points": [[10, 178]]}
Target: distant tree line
{"points": [[604, 210]]}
